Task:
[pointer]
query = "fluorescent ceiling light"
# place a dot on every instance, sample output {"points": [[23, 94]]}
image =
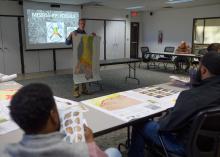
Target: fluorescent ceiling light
{"points": [[137, 7], [178, 1]]}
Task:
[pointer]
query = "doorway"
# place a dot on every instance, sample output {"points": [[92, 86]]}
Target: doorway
{"points": [[134, 39]]}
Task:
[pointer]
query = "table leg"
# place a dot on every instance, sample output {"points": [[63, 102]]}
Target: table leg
{"points": [[97, 83], [126, 145], [134, 72]]}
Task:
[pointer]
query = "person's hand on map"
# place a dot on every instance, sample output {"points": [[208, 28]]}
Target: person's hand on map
{"points": [[88, 134]]}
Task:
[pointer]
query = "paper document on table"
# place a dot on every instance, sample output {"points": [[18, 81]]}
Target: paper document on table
{"points": [[7, 127], [72, 125], [154, 92], [65, 104], [5, 103], [10, 85], [7, 90], [7, 94], [165, 97], [6, 124], [169, 102], [180, 79], [123, 106], [5, 78]]}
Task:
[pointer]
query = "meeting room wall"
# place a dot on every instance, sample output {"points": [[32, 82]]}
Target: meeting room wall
{"points": [[176, 25], [93, 12], [10, 8]]}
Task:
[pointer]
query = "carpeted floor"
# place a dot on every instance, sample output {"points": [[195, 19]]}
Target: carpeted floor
{"points": [[112, 81]]}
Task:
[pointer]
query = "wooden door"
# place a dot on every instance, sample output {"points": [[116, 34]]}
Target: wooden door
{"points": [[115, 39], [134, 39], [11, 45]]}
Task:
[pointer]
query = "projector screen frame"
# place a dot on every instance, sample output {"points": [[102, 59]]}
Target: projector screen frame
{"points": [[45, 6]]}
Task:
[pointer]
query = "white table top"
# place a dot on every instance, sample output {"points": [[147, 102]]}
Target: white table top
{"points": [[98, 121], [174, 54]]}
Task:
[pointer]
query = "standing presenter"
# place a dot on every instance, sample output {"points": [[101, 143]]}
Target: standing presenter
{"points": [[78, 89]]}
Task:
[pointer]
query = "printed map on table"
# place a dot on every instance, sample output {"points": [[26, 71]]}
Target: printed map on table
{"points": [[7, 94], [7, 90], [123, 106], [156, 95], [157, 92], [114, 102]]}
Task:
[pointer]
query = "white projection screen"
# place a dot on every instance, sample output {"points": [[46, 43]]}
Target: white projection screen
{"points": [[47, 27]]}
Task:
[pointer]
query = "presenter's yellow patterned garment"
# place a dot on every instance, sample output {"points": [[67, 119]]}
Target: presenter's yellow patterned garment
{"points": [[85, 55]]}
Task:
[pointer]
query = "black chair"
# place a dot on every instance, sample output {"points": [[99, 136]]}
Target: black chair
{"points": [[201, 53], [166, 59], [147, 57], [204, 136]]}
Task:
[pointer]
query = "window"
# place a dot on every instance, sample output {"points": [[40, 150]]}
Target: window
{"points": [[206, 31]]}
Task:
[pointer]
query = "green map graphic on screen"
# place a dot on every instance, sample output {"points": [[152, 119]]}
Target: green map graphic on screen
{"points": [[85, 55], [55, 32]]}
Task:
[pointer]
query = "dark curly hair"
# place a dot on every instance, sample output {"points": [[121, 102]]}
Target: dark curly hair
{"points": [[30, 107]]}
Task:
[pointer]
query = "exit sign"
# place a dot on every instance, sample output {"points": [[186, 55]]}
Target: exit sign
{"points": [[134, 13]]}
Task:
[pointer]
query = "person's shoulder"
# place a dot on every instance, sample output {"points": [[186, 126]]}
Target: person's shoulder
{"points": [[76, 149], [188, 95]]}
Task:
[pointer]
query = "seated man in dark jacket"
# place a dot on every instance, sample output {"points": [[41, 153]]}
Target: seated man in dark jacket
{"points": [[177, 123]]}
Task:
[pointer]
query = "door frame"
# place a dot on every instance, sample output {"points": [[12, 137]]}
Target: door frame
{"points": [[138, 38], [20, 39]]}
